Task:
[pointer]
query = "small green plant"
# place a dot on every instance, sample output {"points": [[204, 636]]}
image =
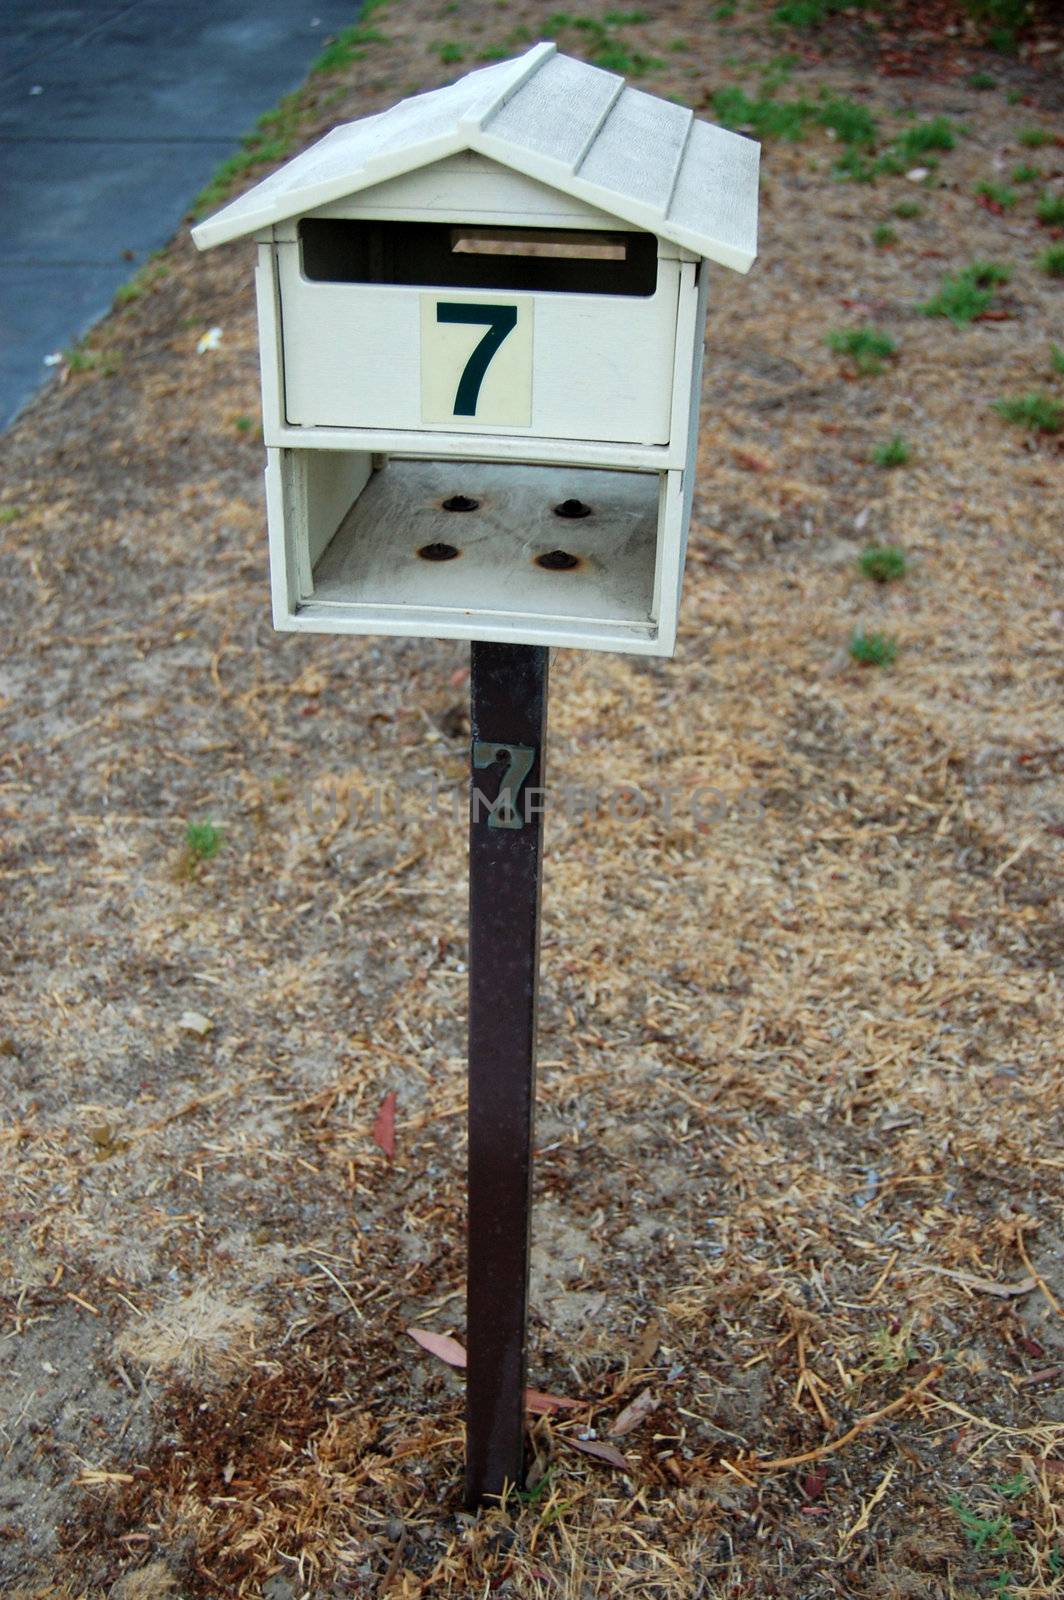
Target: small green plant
{"points": [[907, 209], [243, 424], [450, 53], [1034, 138], [348, 45], [1039, 413], [808, 13], [895, 453], [851, 123], [615, 56], [884, 236], [765, 118], [81, 359], [982, 80], [625, 19], [725, 12], [147, 276], [1013, 97], [868, 348], [997, 194], [992, 1534], [873, 650], [202, 841], [1051, 210], [938, 133], [966, 295], [1056, 360], [1025, 173], [882, 563], [679, 46]]}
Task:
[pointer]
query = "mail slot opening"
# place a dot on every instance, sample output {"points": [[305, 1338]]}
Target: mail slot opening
{"points": [[439, 255]]}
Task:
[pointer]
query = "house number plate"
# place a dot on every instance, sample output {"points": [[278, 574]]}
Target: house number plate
{"points": [[476, 360]]}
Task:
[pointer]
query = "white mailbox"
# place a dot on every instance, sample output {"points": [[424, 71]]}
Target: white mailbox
{"points": [[481, 319]]}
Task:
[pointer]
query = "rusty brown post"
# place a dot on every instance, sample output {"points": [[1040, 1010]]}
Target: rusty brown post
{"points": [[508, 731]]}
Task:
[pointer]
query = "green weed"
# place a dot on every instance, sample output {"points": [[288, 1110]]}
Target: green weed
{"points": [[874, 650], [346, 46], [243, 424], [883, 563], [810, 13], [908, 209], [1039, 413], [9, 514], [992, 1534], [202, 841], [884, 236], [1034, 138], [151, 273], [938, 133], [765, 118], [615, 56], [997, 194], [1050, 210], [966, 295], [868, 348], [851, 123], [982, 80], [1025, 173], [895, 453], [1056, 360], [450, 53], [1051, 261]]}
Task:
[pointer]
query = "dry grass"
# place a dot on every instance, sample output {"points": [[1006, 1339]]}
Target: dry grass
{"points": [[799, 1169]]}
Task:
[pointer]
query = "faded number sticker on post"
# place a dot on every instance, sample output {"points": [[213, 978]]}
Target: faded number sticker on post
{"points": [[476, 360]]}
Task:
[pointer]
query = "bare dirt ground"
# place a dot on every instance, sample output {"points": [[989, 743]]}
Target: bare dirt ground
{"points": [[800, 1158]]}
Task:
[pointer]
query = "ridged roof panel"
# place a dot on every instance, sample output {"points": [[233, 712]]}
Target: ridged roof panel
{"points": [[642, 159]]}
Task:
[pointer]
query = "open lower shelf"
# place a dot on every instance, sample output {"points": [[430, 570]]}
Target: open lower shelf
{"points": [[600, 567]]}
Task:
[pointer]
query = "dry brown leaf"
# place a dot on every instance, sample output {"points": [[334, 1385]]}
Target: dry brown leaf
{"points": [[439, 1344], [384, 1125], [543, 1404], [634, 1413], [449, 1350], [601, 1452]]}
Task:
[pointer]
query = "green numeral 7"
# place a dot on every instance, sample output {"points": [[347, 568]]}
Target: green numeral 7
{"points": [[501, 320], [519, 759]]}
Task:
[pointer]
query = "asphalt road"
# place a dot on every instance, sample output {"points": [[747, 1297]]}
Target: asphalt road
{"points": [[112, 117]]}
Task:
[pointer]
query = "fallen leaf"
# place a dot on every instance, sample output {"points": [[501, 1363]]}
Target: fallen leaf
{"points": [[750, 463], [634, 1413], [543, 1404], [439, 1344], [195, 1022], [449, 1350], [647, 1347], [601, 1452], [814, 1483], [384, 1126]]}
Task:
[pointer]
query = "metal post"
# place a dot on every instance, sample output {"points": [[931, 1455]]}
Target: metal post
{"points": [[508, 729]]}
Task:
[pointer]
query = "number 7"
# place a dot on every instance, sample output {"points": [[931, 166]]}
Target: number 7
{"points": [[501, 320]]}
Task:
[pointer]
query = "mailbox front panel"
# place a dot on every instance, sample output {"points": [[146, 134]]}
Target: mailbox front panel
{"points": [[453, 358]]}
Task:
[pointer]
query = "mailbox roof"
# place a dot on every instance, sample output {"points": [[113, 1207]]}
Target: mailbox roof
{"points": [[644, 160]]}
